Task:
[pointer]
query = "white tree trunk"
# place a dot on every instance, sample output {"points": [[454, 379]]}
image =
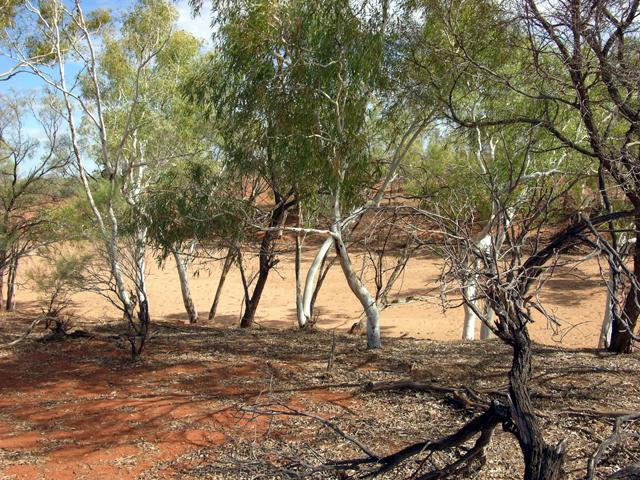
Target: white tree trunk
{"points": [[408, 139], [485, 331], [469, 329], [184, 288], [311, 276], [302, 318], [110, 236], [605, 331], [140, 249], [360, 291]]}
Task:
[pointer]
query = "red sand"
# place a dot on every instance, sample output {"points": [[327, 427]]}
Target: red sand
{"points": [[576, 296]]}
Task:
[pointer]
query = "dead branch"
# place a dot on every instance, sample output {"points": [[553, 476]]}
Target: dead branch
{"points": [[616, 436], [283, 409], [484, 425], [464, 396], [29, 330]]}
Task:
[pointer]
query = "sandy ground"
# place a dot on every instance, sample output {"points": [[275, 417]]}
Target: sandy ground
{"points": [[191, 407], [575, 296]]}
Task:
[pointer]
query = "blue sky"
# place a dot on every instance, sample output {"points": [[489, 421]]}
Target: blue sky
{"points": [[199, 26], [25, 83]]}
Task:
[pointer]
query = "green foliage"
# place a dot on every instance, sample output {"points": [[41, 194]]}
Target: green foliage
{"points": [[190, 200], [64, 272], [56, 279], [55, 19], [141, 69], [444, 171], [8, 9], [291, 89]]}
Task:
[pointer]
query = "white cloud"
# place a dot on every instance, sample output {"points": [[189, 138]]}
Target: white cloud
{"points": [[200, 26]]}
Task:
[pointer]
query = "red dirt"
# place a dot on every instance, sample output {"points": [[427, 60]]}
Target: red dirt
{"points": [[82, 411], [575, 295]]}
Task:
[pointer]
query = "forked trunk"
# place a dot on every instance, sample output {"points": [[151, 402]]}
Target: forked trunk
{"points": [[187, 300], [324, 271], [360, 291], [302, 319], [228, 262], [248, 318], [267, 262], [309, 284]]}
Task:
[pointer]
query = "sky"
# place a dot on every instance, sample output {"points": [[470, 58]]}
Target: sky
{"points": [[25, 83], [199, 27]]}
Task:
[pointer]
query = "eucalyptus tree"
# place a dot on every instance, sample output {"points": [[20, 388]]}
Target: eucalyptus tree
{"points": [[568, 67], [258, 114], [62, 46], [162, 128], [193, 202], [299, 87]]}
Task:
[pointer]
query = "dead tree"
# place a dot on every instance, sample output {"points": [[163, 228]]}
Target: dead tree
{"points": [[578, 73], [511, 293]]}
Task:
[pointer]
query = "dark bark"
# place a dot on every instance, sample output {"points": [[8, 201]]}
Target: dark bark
{"points": [[12, 276], [1, 288], [3, 269], [249, 315], [542, 461], [138, 328], [267, 260], [622, 328], [228, 262], [481, 426]]}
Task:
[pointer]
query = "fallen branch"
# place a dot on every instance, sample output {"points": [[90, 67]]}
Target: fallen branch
{"points": [[617, 435], [465, 396], [282, 409], [28, 331], [484, 425], [373, 465], [592, 412]]}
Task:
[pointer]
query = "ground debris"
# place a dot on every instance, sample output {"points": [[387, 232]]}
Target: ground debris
{"points": [[190, 408]]}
